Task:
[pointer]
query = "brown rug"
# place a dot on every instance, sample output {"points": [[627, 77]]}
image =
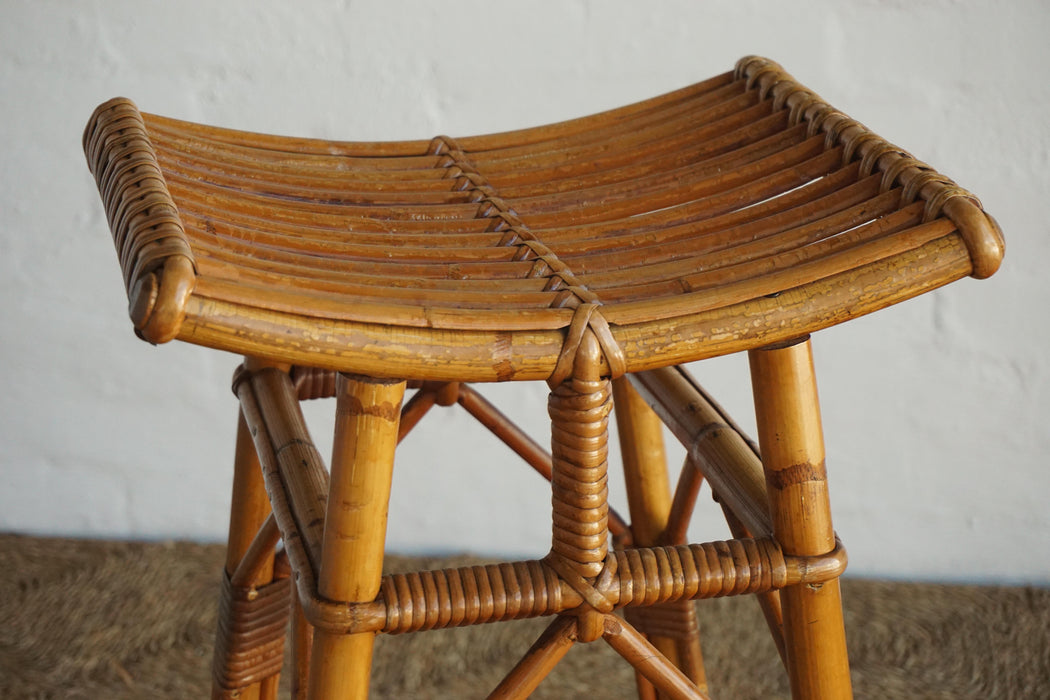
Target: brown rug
{"points": [[86, 619]]}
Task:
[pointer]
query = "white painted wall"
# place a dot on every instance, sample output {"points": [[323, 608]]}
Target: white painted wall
{"points": [[936, 411]]}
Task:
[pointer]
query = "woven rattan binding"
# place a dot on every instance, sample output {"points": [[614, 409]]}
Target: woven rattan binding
{"points": [[984, 241], [249, 646], [676, 620]]}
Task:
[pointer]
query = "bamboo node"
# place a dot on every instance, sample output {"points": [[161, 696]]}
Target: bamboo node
{"points": [[795, 474]]}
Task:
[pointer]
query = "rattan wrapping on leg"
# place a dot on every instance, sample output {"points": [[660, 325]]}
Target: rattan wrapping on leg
{"points": [[249, 646], [579, 411]]}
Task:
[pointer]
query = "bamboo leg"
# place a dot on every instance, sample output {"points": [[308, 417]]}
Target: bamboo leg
{"points": [[684, 502], [249, 506], [539, 660], [366, 428], [649, 502], [646, 690], [644, 464], [249, 509], [792, 445], [636, 649], [302, 639]]}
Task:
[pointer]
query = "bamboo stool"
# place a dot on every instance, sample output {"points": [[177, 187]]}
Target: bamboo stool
{"points": [[599, 254]]}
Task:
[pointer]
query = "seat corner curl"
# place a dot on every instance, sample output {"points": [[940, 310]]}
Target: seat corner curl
{"points": [[155, 255]]}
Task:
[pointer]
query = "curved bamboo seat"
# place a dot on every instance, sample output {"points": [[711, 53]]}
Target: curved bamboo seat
{"points": [[739, 214]]}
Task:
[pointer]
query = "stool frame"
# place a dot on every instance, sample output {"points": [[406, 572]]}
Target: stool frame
{"points": [[600, 255]]}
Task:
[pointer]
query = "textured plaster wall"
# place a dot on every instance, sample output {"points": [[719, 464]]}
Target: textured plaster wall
{"points": [[936, 411]]}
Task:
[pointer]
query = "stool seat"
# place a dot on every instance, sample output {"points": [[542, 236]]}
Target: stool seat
{"points": [[732, 214]]}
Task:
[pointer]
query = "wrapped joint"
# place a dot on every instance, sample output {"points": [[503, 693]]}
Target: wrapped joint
{"points": [[979, 231], [588, 322], [643, 577], [313, 383], [249, 646]]}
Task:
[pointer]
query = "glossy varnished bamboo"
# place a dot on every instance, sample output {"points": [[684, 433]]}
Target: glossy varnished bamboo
{"points": [[367, 414], [249, 510], [648, 661], [792, 443], [649, 500], [539, 660], [718, 447]]}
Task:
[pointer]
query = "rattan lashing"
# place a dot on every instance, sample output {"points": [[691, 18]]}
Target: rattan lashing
{"points": [[740, 213], [253, 622]]}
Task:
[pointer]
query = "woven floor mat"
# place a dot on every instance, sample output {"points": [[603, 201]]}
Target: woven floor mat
{"points": [[88, 619]]}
